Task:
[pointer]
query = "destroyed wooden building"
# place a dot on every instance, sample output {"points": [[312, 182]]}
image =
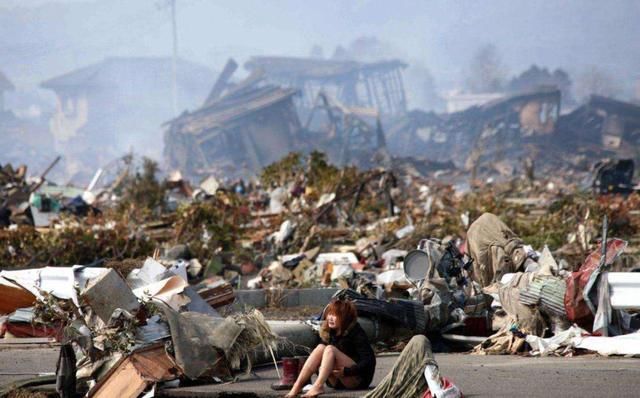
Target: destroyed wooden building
{"points": [[27, 137], [235, 134], [348, 135], [488, 134], [603, 125], [118, 104], [245, 126], [376, 85]]}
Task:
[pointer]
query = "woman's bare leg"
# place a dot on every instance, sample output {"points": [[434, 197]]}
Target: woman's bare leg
{"points": [[311, 365], [343, 361], [332, 358]]}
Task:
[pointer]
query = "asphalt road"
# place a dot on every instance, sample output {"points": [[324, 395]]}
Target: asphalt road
{"points": [[477, 376], [16, 364]]}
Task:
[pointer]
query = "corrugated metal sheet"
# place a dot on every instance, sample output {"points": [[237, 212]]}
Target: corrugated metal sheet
{"points": [[548, 293]]}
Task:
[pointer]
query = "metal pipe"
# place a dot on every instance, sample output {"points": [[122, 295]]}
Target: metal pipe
{"points": [[299, 338]]}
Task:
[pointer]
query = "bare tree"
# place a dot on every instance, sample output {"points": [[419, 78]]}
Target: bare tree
{"points": [[595, 80], [487, 73], [536, 77]]}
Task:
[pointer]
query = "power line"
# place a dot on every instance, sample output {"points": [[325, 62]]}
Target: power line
{"points": [[174, 84], [174, 71]]}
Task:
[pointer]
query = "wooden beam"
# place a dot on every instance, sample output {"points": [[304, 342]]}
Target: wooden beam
{"points": [[385, 89], [251, 149], [369, 94], [221, 82]]}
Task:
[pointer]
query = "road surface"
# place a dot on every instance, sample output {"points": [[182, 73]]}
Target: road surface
{"points": [[477, 376]]}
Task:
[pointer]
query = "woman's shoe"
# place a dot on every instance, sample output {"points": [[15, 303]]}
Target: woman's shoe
{"points": [[290, 371]]}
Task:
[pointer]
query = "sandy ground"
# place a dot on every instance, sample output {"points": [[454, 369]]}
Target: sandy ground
{"points": [[16, 364]]}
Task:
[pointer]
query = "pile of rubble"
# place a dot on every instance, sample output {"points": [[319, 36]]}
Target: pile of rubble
{"points": [[121, 337], [497, 267], [300, 223], [294, 104]]}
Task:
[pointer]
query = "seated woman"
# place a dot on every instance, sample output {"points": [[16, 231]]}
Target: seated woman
{"points": [[344, 359]]}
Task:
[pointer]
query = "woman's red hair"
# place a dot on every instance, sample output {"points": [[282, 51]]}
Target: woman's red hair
{"points": [[345, 312]]}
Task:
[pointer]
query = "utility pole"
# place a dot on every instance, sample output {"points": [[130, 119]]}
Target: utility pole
{"points": [[174, 63]]}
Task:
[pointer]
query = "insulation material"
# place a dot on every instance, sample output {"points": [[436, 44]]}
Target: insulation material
{"points": [[168, 291]]}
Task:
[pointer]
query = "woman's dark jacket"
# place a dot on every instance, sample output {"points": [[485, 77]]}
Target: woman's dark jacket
{"points": [[354, 343]]}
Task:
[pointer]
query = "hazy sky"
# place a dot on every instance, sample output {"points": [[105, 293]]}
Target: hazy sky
{"points": [[40, 39]]}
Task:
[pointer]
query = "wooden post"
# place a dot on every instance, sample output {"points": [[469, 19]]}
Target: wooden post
{"points": [[369, 95], [385, 89]]}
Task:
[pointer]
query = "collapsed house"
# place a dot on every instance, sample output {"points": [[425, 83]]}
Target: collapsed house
{"points": [[117, 104], [26, 138], [342, 107], [242, 127], [507, 134], [490, 133], [238, 130], [349, 135], [456, 101], [603, 124], [376, 85]]}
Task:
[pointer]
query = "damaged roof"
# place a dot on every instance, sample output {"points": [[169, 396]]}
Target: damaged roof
{"points": [[231, 107], [546, 92], [5, 83], [113, 69], [505, 105], [614, 106], [309, 68]]}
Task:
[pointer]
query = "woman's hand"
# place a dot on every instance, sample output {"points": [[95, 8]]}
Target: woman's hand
{"points": [[338, 372]]}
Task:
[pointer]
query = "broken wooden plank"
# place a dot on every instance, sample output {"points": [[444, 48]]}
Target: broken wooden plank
{"points": [[218, 296], [221, 82], [132, 375]]}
